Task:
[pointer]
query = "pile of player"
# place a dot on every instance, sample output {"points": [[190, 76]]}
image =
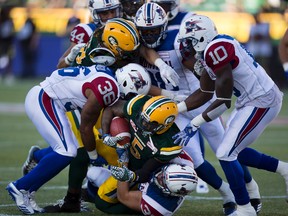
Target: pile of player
{"points": [[172, 76]]}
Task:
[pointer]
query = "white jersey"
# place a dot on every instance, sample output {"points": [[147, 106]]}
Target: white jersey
{"points": [[67, 86], [170, 54], [250, 79]]}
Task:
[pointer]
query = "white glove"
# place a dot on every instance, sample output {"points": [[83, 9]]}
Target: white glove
{"points": [[73, 53], [175, 95], [167, 73], [199, 67]]}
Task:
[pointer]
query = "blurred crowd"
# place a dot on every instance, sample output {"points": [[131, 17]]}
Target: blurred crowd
{"points": [[28, 38]]}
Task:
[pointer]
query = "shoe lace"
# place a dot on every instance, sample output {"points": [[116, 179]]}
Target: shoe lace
{"points": [[31, 165]]}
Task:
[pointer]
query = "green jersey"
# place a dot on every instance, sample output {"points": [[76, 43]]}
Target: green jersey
{"points": [[144, 146], [86, 54]]}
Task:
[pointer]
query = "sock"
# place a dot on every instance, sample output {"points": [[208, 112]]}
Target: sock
{"points": [[235, 177], [282, 168], [252, 158], [78, 170], [208, 174], [38, 155], [247, 174], [226, 193], [47, 168], [253, 189]]}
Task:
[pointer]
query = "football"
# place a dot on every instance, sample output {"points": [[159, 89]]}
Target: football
{"points": [[120, 127]]}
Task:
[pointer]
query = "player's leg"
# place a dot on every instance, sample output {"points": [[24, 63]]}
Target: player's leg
{"points": [[43, 120], [251, 157], [243, 128], [205, 170]]}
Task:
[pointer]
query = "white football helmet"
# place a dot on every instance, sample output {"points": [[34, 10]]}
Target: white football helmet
{"points": [[98, 6], [151, 22], [170, 6], [176, 179], [130, 8], [133, 79], [197, 30]]}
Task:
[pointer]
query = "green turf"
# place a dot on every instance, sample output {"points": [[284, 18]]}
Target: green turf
{"points": [[17, 134]]}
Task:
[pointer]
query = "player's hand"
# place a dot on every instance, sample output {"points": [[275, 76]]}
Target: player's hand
{"points": [[167, 73], [199, 67], [111, 141], [99, 161], [175, 95], [122, 174], [182, 138], [73, 53]]}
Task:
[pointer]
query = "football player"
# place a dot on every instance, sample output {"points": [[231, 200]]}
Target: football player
{"points": [[154, 34], [87, 88], [283, 53], [130, 8], [163, 194], [101, 12], [228, 65]]}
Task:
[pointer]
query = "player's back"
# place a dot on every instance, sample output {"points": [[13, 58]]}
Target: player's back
{"points": [[67, 86], [81, 33], [250, 79], [144, 146]]}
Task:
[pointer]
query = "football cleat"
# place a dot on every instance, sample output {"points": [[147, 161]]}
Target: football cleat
{"points": [[33, 203], [245, 210], [257, 204], [229, 208], [21, 198], [30, 162], [64, 205]]}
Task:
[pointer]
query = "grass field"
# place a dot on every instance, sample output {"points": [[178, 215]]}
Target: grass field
{"points": [[17, 134]]}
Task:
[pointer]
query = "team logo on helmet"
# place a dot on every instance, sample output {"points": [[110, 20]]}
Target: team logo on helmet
{"points": [[191, 26], [112, 40], [170, 119], [138, 80]]}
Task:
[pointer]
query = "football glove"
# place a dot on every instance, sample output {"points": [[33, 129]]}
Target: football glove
{"points": [[99, 161], [167, 73], [122, 174], [111, 141], [182, 138], [199, 67], [103, 56], [73, 53], [175, 95]]}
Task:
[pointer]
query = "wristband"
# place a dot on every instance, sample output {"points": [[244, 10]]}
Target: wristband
{"points": [[198, 120], [159, 62], [93, 154], [67, 61], [182, 107], [285, 66]]}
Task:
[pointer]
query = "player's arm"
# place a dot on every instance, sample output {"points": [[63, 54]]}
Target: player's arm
{"points": [[110, 112], [89, 115], [144, 174], [61, 62], [224, 90], [167, 73], [200, 96], [132, 199]]}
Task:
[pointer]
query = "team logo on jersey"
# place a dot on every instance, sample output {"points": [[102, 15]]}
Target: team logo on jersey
{"points": [[138, 80], [191, 26]]}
